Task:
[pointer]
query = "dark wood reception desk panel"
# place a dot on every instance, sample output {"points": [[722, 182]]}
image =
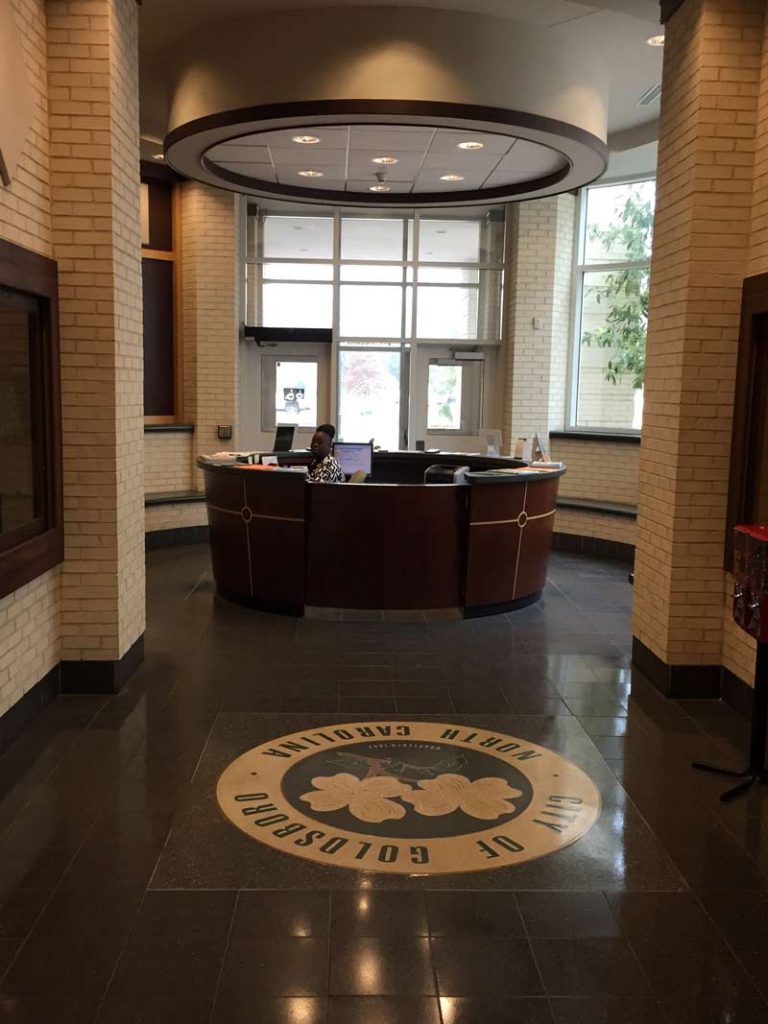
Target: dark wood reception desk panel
{"points": [[279, 543]]}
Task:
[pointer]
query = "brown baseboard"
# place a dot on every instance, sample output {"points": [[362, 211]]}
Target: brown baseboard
{"points": [[595, 547], [676, 680], [101, 676], [736, 693], [25, 711], [170, 538]]}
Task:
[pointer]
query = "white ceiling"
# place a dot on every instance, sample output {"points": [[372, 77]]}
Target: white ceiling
{"points": [[344, 157], [614, 29]]}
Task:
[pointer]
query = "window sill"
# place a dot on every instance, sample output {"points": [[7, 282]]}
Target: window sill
{"points": [[594, 435], [611, 508], [169, 428], [173, 498]]}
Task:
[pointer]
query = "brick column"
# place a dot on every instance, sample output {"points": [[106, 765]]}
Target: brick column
{"points": [[211, 272], [706, 151], [539, 272], [94, 121]]}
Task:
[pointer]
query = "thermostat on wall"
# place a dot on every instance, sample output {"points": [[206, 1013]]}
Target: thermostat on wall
{"points": [[224, 431]]}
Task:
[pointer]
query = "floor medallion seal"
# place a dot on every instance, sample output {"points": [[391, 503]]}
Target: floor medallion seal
{"points": [[411, 798]]}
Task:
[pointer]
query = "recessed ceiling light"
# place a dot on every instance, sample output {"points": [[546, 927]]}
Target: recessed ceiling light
{"points": [[378, 188], [158, 156], [311, 174], [471, 145], [451, 177], [655, 41], [384, 160], [305, 140]]}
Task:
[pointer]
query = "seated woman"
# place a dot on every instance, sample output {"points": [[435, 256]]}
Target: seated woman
{"points": [[324, 469]]}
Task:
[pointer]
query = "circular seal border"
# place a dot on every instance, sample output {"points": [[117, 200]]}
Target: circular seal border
{"points": [[565, 805]]}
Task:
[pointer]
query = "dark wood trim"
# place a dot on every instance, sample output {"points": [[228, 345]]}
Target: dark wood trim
{"points": [[29, 273], [23, 713], [754, 302], [169, 428], [593, 435], [160, 172], [101, 676], [668, 8], [321, 335], [481, 611], [508, 121], [676, 680], [259, 604]]}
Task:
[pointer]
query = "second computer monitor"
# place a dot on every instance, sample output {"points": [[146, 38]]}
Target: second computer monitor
{"points": [[284, 437], [354, 456]]}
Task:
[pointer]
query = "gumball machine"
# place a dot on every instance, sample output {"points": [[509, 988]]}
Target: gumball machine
{"points": [[750, 612]]}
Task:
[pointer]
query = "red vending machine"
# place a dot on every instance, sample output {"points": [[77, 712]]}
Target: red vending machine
{"points": [[750, 570], [750, 611]]}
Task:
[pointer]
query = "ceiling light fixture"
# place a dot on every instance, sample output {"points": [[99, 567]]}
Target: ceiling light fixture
{"points": [[378, 188], [311, 174], [158, 156], [384, 160], [655, 41], [451, 177], [305, 140], [471, 145]]}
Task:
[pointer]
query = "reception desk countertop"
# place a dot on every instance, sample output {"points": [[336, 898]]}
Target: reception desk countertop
{"points": [[280, 543]]}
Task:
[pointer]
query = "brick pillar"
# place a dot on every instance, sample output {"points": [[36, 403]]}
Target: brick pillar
{"points": [[211, 273], [539, 271], [706, 151], [94, 121]]}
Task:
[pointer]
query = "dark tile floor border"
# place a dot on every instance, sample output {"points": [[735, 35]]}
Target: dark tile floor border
{"points": [[173, 537], [26, 710], [679, 681], [596, 547], [101, 676]]}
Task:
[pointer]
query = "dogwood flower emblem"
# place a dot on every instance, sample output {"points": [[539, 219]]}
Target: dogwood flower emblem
{"points": [[487, 798], [370, 800]]}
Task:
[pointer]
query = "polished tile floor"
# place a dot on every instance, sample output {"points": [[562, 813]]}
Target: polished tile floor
{"points": [[127, 898]]}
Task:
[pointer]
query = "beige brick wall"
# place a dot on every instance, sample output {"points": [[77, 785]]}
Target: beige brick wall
{"points": [[25, 207], [540, 260], [93, 80], [30, 618], [173, 517], [602, 470], [211, 270], [708, 124], [167, 462]]}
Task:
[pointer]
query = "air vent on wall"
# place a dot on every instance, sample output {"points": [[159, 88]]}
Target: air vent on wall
{"points": [[649, 96]]}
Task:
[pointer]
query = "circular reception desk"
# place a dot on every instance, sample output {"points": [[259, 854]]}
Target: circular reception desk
{"points": [[279, 543]]}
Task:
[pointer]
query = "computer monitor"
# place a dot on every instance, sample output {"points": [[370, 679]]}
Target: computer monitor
{"points": [[284, 437], [354, 456]]}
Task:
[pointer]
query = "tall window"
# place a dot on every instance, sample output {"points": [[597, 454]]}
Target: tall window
{"points": [[611, 288], [31, 534], [386, 284]]}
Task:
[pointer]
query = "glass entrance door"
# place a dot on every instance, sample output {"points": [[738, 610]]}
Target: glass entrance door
{"points": [[373, 396]]}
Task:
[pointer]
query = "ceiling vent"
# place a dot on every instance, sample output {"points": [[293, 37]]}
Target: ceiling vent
{"points": [[649, 96]]}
